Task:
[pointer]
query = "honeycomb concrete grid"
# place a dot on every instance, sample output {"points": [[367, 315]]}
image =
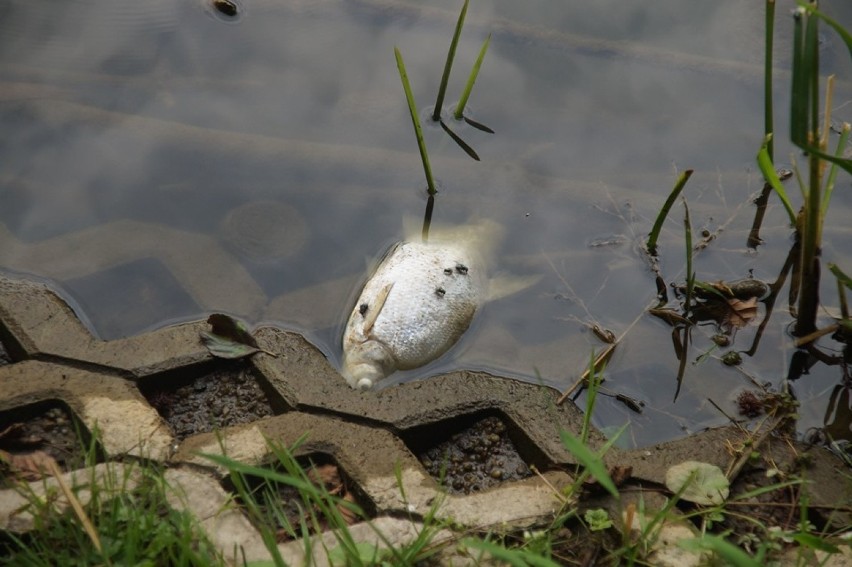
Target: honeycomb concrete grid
{"points": [[368, 434]]}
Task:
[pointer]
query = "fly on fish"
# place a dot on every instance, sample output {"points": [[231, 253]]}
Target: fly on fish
{"points": [[421, 298]]}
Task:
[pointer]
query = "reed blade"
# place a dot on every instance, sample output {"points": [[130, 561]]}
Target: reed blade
{"points": [[451, 55], [767, 77], [764, 161], [661, 217], [472, 79], [418, 130]]}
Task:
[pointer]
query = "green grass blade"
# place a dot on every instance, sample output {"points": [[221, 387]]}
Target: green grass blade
{"points": [[721, 547], [764, 161], [592, 393], [513, 557], [798, 107], [471, 79], [840, 275], [451, 55], [418, 130], [661, 217], [832, 174], [590, 461], [841, 31]]}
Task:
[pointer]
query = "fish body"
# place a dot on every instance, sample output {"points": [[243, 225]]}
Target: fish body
{"points": [[421, 298]]}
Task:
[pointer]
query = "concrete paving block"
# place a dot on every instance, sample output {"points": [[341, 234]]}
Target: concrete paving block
{"points": [[303, 376], [376, 460], [112, 405], [225, 525], [37, 323]]}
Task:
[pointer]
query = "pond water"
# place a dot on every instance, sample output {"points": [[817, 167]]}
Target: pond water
{"points": [[162, 160]]}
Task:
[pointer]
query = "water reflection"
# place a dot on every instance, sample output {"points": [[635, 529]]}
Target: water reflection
{"points": [[146, 139]]}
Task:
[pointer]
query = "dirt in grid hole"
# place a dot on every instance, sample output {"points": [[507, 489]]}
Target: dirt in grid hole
{"points": [[4, 356], [32, 434], [476, 458], [283, 506], [226, 396]]}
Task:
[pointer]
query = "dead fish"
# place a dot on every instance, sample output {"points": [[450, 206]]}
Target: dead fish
{"points": [[419, 301]]}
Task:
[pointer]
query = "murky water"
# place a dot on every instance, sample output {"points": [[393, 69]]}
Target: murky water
{"points": [[162, 160]]}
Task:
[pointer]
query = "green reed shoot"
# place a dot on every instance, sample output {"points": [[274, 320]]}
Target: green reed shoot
{"points": [[418, 130], [451, 55], [661, 216], [764, 161], [805, 132], [471, 79], [768, 127]]}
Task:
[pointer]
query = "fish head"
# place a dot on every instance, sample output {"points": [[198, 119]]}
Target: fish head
{"points": [[367, 362]]}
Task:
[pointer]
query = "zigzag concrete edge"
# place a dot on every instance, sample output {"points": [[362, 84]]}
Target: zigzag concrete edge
{"points": [[366, 433]]}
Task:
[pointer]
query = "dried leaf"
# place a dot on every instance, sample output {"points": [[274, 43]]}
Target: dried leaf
{"points": [[232, 329], [670, 316], [229, 338], [29, 466], [327, 476], [348, 514], [741, 312]]}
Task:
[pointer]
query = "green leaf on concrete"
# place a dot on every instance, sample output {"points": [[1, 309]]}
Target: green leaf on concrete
{"points": [[229, 338], [701, 483]]}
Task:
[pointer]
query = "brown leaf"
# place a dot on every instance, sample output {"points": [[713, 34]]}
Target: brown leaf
{"points": [[29, 466], [328, 476], [741, 312], [348, 515], [670, 316]]}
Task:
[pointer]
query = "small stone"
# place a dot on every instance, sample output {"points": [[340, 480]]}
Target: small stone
{"points": [[496, 474]]}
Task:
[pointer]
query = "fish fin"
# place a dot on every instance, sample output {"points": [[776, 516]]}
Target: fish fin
{"points": [[375, 309], [504, 285]]}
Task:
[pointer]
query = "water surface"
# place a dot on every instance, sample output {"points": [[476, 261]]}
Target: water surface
{"points": [[160, 161]]}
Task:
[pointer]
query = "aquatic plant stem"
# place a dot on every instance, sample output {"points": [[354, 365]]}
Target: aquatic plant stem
{"points": [[474, 73], [807, 128], [415, 120], [768, 120], [451, 55], [661, 216]]}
